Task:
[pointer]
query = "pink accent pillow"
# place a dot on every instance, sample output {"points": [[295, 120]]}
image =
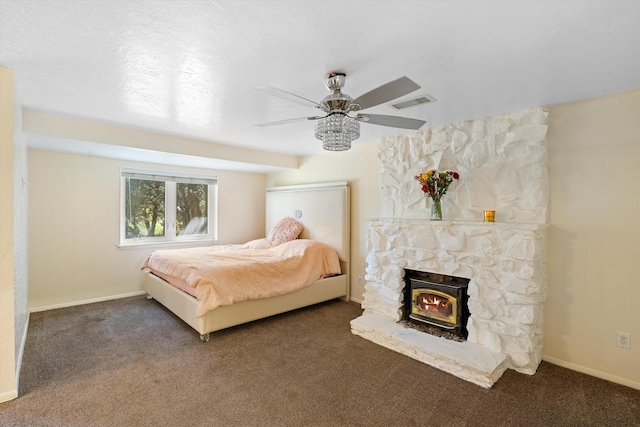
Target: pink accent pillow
{"points": [[284, 231]]}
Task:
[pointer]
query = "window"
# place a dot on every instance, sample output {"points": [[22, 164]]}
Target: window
{"points": [[161, 206]]}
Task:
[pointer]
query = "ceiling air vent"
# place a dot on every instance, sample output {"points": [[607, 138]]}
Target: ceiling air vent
{"points": [[422, 99]]}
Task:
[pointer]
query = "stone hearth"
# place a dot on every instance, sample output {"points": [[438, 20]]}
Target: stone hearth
{"points": [[502, 163]]}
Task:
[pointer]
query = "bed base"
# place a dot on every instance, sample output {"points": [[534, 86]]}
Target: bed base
{"points": [[184, 305]]}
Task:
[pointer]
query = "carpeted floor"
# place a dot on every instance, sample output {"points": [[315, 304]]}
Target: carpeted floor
{"points": [[130, 362]]}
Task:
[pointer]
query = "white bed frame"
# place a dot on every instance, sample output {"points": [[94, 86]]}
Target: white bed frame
{"points": [[324, 209]]}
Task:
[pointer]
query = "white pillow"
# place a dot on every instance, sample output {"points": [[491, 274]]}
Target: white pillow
{"points": [[258, 244]]}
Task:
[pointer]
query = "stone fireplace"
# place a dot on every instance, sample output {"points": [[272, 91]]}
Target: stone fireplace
{"points": [[503, 166]]}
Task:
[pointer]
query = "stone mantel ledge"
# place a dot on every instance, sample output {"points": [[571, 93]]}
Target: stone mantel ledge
{"points": [[525, 226]]}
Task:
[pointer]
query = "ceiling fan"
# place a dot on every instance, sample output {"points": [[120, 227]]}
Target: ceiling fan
{"points": [[340, 124]]}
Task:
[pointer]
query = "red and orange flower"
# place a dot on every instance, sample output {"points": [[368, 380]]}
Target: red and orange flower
{"points": [[435, 184]]}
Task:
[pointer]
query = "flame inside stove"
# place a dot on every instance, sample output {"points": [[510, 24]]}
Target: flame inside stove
{"points": [[429, 303]]}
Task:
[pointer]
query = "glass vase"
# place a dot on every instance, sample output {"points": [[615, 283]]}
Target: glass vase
{"points": [[436, 211]]}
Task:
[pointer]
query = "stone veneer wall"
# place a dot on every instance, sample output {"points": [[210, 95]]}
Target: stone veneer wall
{"points": [[502, 162]]}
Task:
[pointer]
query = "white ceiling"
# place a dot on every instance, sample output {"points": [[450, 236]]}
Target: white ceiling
{"points": [[190, 68]]}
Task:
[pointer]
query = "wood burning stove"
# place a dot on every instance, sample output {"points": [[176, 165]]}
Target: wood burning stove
{"points": [[438, 301]]}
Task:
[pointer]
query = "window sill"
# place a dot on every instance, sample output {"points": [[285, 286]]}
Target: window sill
{"points": [[167, 244]]}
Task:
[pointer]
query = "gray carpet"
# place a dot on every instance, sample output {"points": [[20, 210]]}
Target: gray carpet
{"points": [[130, 362]]}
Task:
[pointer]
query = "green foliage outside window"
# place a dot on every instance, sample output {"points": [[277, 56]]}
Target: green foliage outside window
{"points": [[160, 207], [191, 209], [144, 208]]}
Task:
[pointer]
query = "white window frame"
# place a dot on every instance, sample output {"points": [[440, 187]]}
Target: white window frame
{"points": [[170, 179]]}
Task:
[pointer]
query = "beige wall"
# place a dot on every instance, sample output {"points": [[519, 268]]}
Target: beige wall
{"points": [[74, 208], [8, 389], [594, 239], [359, 166], [74, 130]]}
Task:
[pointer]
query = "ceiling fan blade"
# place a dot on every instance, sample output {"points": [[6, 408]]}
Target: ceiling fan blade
{"points": [[391, 121], [284, 122], [289, 96], [386, 92]]}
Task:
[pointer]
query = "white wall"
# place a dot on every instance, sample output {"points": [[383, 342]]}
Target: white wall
{"points": [[20, 233], [74, 213], [361, 168], [594, 239]]}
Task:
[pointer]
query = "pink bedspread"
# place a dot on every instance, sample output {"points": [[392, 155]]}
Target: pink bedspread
{"points": [[223, 275]]}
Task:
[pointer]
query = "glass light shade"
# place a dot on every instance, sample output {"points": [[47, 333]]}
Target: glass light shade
{"points": [[337, 131]]}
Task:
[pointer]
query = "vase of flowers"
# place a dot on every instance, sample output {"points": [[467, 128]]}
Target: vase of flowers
{"points": [[435, 184]]}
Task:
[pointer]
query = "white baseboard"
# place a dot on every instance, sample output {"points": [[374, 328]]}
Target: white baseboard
{"points": [[358, 300], [592, 372], [8, 395], [23, 343], [87, 301]]}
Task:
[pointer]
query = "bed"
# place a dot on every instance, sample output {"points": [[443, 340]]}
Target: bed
{"points": [[324, 211]]}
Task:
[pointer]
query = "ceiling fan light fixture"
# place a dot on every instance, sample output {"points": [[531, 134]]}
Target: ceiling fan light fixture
{"points": [[337, 131]]}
